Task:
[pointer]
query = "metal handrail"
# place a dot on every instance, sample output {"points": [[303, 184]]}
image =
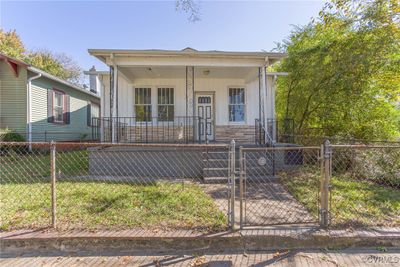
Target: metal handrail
{"points": [[262, 132]]}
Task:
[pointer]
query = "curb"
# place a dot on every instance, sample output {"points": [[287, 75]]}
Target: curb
{"points": [[241, 240]]}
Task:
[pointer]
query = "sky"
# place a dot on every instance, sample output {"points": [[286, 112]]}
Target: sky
{"points": [[71, 27]]}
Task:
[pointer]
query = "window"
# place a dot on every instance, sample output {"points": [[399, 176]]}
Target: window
{"points": [[143, 104], [204, 100], [236, 105], [93, 114], [166, 104], [58, 107]]}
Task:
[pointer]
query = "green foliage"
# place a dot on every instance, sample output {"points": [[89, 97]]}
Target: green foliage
{"points": [[57, 64], [10, 136], [11, 44], [344, 72]]}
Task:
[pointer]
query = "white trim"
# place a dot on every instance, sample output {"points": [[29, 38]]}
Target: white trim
{"points": [[213, 97], [29, 108], [56, 79], [151, 102], [191, 52], [244, 122], [174, 105]]}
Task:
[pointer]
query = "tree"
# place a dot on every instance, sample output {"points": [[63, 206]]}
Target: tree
{"points": [[57, 64], [344, 74], [11, 44], [190, 7]]}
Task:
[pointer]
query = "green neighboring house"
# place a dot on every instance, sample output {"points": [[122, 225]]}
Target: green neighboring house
{"points": [[42, 107]]}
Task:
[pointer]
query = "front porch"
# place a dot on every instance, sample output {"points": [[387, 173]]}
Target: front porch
{"points": [[186, 96]]}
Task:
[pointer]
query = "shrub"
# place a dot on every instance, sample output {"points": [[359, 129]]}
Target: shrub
{"points": [[381, 166], [12, 137]]}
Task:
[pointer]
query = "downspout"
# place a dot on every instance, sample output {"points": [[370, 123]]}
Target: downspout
{"points": [[29, 108]]}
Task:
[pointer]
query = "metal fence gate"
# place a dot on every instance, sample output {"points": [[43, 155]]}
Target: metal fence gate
{"points": [[279, 185]]}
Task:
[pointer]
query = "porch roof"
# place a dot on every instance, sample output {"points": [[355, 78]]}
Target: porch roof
{"points": [[184, 57]]}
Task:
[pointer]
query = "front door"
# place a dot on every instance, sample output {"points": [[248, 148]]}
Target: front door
{"points": [[205, 113]]}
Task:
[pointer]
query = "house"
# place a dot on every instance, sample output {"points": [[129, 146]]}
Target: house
{"points": [[186, 96], [42, 107]]}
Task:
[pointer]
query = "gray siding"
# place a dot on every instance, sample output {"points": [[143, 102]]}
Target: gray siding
{"points": [[59, 132], [12, 98]]}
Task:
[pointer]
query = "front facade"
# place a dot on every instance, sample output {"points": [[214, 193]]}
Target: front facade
{"points": [[42, 107], [185, 96]]}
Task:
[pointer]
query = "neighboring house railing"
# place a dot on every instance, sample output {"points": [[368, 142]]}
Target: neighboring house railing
{"points": [[182, 129]]}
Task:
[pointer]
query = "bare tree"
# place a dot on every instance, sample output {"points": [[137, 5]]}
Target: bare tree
{"points": [[191, 7]]}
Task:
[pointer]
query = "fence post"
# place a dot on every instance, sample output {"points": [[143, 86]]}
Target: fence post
{"points": [[326, 171], [232, 179], [241, 181], [53, 182]]}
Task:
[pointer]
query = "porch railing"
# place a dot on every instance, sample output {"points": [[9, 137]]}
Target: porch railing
{"points": [[275, 131], [182, 129], [282, 129]]}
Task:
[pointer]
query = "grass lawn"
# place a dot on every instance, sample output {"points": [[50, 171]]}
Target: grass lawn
{"points": [[353, 202], [94, 205], [25, 198], [35, 167]]}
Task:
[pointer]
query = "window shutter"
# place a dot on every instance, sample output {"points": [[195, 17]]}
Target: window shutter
{"points": [[50, 117], [89, 114], [67, 114]]}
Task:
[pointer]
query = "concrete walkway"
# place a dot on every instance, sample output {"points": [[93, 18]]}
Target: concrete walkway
{"points": [[345, 257], [265, 202]]}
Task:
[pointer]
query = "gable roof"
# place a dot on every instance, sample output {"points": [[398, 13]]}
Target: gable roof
{"points": [[45, 74]]}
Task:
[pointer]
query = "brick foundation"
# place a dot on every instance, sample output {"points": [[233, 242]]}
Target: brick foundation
{"points": [[240, 133]]}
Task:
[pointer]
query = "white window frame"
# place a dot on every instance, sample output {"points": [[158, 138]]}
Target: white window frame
{"points": [[55, 106], [244, 121], [150, 104], [173, 105]]}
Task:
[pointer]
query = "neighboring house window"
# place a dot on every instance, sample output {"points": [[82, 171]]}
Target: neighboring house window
{"points": [[58, 107], [143, 104], [93, 113], [236, 105], [166, 107], [58, 110]]}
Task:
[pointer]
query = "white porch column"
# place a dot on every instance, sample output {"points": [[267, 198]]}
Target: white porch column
{"points": [[189, 91], [263, 96], [190, 103], [102, 110], [272, 107], [113, 103]]}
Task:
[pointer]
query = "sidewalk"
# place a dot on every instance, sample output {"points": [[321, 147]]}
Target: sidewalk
{"points": [[279, 237], [305, 257]]}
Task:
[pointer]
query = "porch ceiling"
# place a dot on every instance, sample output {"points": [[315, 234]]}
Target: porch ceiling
{"points": [[171, 72]]}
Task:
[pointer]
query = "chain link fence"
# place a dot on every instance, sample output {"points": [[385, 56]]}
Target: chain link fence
{"points": [[150, 186], [199, 187], [365, 186], [279, 185]]}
